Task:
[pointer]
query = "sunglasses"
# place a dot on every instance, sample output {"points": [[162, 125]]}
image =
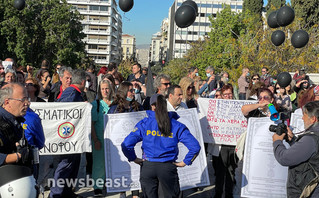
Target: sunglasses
{"points": [[255, 78], [29, 84], [265, 98], [166, 84], [190, 87]]}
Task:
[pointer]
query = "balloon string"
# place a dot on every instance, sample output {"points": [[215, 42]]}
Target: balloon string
{"points": [[126, 17]]}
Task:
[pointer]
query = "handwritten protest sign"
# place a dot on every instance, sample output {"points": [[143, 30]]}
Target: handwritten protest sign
{"points": [[66, 127], [222, 121]]}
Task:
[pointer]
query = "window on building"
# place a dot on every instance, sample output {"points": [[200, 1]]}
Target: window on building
{"points": [[92, 46], [103, 8], [202, 14], [95, 8], [239, 7], [82, 7], [127, 40]]}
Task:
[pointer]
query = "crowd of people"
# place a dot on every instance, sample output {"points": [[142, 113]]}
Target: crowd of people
{"points": [[110, 93]]}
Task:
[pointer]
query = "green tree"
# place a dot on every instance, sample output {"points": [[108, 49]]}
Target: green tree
{"points": [[254, 6], [177, 69], [308, 11], [43, 29], [273, 5]]}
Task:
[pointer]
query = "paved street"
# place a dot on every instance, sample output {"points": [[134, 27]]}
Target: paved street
{"points": [[207, 191]]}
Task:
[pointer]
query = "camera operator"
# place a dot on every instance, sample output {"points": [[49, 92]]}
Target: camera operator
{"points": [[14, 105], [302, 156]]}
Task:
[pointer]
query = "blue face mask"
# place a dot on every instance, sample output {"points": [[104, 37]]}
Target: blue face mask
{"points": [[248, 74], [129, 99], [196, 74], [136, 90], [208, 75]]}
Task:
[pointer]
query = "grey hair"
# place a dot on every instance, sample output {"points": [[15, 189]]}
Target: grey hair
{"points": [[78, 76], [111, 93], [157, 80], [63, 69], [7, 91], [210, 68], [311, 109]]}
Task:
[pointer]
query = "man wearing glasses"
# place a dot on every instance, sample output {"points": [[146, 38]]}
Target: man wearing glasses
{"points": [[265, 77], [14, 105]]}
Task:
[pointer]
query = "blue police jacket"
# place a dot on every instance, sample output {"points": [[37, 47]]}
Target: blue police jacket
{"points": [[71, 94], [157, 148], [33, 129]]}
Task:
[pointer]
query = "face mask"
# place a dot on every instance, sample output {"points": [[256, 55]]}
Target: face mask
{"points": [[253, 83], [196, 74], [117, 86], [248, 74], [278, 91], [129, 99], [208, 75], [57, 72], [274, 81], [136, 90], [226, 79], [87, 84]]}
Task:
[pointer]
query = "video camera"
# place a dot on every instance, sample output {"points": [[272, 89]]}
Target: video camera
{"points": [[281, 127]]}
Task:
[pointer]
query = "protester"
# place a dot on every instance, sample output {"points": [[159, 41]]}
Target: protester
{"points": [[254, 90], [243, 84], [55, 77], [266, 77], [65, 74], [282, 99], [160, 152], [10, 76], [189, 92], [33, 89], [124, 102], [20, 77], [174, 99], [225, 163], [302, 155], [260, 109], [192, 72], [100, 107], [210, 72], [253, 80], [136, 73], [68, 166], [90, 70], [45, 84]]}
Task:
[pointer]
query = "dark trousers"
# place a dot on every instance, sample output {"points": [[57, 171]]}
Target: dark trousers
{"points": [[154, 172], [68, 168], [224, 166], [242, 96]]}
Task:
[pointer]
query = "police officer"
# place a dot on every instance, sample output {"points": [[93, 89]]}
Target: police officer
{"points": [[160, 133], [14, 105]]}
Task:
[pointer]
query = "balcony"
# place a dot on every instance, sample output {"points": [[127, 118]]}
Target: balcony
{"points": [[95, 22], [95, 12], [96, 41], [97, 51], [101, 61], [99, 32], [90, 2]]}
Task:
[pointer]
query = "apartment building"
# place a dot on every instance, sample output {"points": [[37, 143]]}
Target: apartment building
{"points": [[102, 25], [128, 46], [179, 39]]}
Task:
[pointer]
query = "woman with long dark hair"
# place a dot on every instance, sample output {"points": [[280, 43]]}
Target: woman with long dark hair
{"points": [[124, 101], [160, 133]]}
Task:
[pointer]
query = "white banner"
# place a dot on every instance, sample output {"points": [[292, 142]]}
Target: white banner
{"points": [[222, 121], [297, 123], [263, 176], [66, 126], [118, 168]]}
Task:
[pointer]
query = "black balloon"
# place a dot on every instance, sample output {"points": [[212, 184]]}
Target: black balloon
{"points": [[284, 79], [191, 3], [272, 20], [185, 16], [299, 38], [285, 15], [19, 4], [126, 5], [278, 37]]}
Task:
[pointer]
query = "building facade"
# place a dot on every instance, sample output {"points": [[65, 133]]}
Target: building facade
{"points": [[179, 39], [102, 25], [128, 46]]}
